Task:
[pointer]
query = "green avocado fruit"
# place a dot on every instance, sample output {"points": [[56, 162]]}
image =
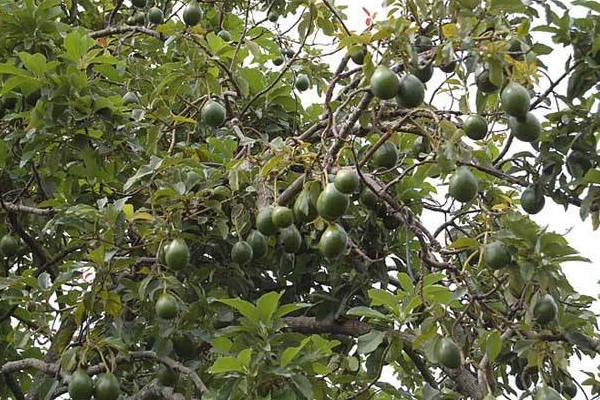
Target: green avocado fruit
{"points": [[333, 242], [331, 203], [463, 185], [496, 255], [384, 83]]}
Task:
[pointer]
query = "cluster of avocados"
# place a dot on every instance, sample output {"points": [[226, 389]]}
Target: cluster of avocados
{"points": [[154, 15], [82, 387]]}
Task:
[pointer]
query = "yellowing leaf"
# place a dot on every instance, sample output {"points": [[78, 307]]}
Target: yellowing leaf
{"points": [[143, 216], [450, 30]]}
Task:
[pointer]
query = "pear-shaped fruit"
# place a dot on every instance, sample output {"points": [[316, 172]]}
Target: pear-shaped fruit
{"points": [[333, 241], [156, 16], [346, 181], [225, 35], [384, 83], [264, 221], [449, 354], [515, 100], [527, 129], [282, 217], [177, 254], [291, 239], [532, 200], [166, 306], [302, 82], [273, 16], [9, 245], [332, 203], [241, 252], [463, 185], [192, 14], [368, 198], [496, 255], [411, 91], [259, 244], [107, 387], [358, 57], [545, 310], [81, 386], [213, 113], [483, 82], [386, 156], [475, 127]]}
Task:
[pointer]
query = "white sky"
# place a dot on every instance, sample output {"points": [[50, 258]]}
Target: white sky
{"points": [[583, 276]]}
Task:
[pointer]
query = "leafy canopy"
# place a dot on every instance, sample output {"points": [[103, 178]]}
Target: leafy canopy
{"points": [[144, 145]]}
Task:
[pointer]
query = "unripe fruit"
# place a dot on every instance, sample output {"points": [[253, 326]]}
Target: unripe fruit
{"points": [[368, 198], [386, 156], [177, 254], [483, 82], [8, 245], [259, 244], [333, 241], [496, 255], [358, 57], [305, 206], [384, 83], [155, 16], [332, 203], [463, 185], [264, 221], [225, 35], [107, 387], [302, 82], [241, 252], [273, 16], [81, 386], [291, 239], [527, 129], [424, 74], [213, 113], [192, 14], [515, 100], [449, 67], [475, 127], [278, 61], [282, 217], [448, 354], [532, 200], [166, 306], [545, 310], [411, 91], [346, 181]]}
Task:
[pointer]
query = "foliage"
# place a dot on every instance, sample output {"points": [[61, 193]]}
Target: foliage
{"points": [[136, 156]]}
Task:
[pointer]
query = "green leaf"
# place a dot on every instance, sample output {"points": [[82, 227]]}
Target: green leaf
{"points": [[362, 311], [244, 357], [245, 308], [226, 364], [267, 305], [289, 308], [35, 63], [464, 243], [303, 385], [368, 342], [493, 345]]}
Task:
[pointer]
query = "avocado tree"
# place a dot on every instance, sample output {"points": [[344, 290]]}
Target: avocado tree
{"points": [[179, 221]]}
